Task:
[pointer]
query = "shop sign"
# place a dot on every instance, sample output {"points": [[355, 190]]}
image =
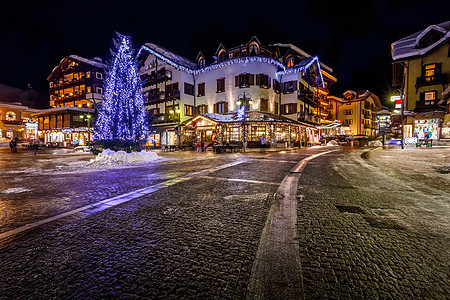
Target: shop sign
{"points": [[410, 140]]}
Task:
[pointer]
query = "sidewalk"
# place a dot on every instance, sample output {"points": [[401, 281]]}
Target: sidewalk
{"points": [[427, 165]]}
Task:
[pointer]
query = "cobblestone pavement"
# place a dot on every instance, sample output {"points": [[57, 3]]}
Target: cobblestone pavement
{"points": [[364, 231], [367, 232], [196, 239]]}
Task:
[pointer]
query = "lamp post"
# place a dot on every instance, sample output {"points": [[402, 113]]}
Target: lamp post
{"points": [[87, 117], [402, 97], [178, 112], [243, 101]]}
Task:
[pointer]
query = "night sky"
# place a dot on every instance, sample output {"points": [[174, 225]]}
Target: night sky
{"points": [[352, 38]]}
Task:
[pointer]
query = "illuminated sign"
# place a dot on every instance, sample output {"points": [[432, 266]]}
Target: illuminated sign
{"points": [[398, 102]]}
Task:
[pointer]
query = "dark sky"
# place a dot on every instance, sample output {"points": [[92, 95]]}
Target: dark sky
{"points": [[352, 38]]}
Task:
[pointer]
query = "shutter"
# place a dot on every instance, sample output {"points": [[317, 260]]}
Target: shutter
{"points": [[252, 79], [215, 108], [226, 107], [206, 109], [438, 69], [218, 85], [258, 79], [295, 85], [236, 81], [281, 87], [269, 81], [422, 96], [294, 108]]}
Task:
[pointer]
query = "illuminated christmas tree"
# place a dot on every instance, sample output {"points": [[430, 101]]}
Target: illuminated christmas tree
{"points": [[122, 116]]}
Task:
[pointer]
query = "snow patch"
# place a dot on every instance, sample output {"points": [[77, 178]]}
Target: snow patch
{"points": [[332, 143], [110, 157], [15, 190]]}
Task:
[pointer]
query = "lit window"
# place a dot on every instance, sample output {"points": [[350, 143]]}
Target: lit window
{"points": [[290, 62], [51, 84], [88, 89], [430, 70], [10, 116], [430, 96], [88, 74]]}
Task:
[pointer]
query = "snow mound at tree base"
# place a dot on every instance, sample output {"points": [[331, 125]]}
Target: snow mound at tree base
{"points": [[110, 157]]}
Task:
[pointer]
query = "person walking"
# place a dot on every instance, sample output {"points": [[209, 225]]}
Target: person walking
{"points": [[11, 145], [15, 144]]}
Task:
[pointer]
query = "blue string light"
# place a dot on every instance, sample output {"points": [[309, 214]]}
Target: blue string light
{"points": [[122, 115]]}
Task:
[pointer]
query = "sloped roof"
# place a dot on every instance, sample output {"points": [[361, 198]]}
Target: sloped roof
{"points": [[178, 59], [80, 59], [409, 46]]}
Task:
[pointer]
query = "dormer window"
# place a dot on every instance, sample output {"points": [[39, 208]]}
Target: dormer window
{"points": [[253, 49], [290, 61], [201, 63], [222, 55]]}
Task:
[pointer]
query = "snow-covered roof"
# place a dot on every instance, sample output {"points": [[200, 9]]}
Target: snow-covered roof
{"points": [[178, 59], [251, 116], [91, 62], [66, 108], [301, 52], [410, 46]]}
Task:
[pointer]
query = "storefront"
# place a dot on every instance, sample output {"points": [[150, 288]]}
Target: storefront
{"points": [[426, 128], [257, 129], [66, 126]]}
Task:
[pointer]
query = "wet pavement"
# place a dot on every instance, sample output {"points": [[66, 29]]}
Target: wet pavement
{"points": [[358, 228]]}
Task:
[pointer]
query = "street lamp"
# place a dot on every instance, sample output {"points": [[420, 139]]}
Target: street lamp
{"points": [[178, 112], [243, 101], [395, 98], [87, 117]]}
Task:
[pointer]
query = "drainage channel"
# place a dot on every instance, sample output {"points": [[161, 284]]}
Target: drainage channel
{"points": [[276, 272]]}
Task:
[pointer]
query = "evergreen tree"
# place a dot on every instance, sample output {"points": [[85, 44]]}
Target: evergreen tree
{"points": [[122, 116]]}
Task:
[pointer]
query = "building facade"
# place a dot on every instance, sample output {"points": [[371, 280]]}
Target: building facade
{"points": [[16, 109], [76, 88], [357, 112], [421, 65], [280, 79]]}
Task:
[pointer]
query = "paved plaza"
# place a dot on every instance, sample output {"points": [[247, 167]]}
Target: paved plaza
{"points": [[367, 223]]}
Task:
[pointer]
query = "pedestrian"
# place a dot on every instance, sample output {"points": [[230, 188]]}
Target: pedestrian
{"points": [[199, 147], [35, 146], [203, 146], [15, 144], [11, 145]]}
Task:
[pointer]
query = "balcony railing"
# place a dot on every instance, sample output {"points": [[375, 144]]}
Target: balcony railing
{"points": [[302, 117], [154, 78], [308, 97], [428, 105], [161, 97], [15, 122], [429, 80]]}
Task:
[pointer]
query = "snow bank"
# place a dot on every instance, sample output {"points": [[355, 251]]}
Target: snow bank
{"points": [[332, 143], [15, 190], [375, 144], [110, 157]]}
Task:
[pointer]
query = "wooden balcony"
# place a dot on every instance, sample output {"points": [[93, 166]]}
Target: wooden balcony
{"points": [[154, 78], [302, 117], [428, 105], [161, 97], [9, 122], [430, 80], [308, 97]]}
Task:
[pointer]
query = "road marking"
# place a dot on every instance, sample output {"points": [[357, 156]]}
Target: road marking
{"points": [[108, 203], [276, 271]]}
